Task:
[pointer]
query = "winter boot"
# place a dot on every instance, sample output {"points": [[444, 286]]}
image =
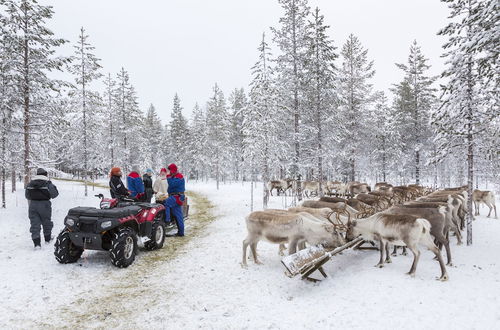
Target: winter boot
{"points": [[36, 242], [48, 239]]}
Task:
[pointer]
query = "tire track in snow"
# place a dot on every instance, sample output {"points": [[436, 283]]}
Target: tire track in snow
{"points": [[125, 293]]}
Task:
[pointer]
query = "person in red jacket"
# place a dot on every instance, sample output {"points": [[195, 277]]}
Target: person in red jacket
{"points": [[173, 203]]}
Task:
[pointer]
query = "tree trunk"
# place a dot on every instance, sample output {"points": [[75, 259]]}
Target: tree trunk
{"points": [[417, 167], [470, 152], [26, 105], [13, 179], [84, 109], [4, 158]]}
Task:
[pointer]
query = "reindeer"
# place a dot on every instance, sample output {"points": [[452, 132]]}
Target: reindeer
{"points": [[485, 197], [290, 228], [405, 229]]}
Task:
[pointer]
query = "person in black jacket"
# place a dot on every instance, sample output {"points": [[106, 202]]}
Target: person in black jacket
{"points": [[148, 184], [116, 186], [39, 192]]}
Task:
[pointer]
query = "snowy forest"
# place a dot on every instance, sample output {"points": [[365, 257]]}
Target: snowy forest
{"points": [[309, 110]]}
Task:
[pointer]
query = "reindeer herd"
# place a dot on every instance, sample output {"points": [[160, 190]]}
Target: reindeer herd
{"points": [[397, 216]]}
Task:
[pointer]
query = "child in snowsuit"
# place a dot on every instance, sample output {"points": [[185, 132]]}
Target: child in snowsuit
{"points": [[173, 203], [160, 186], [135, 184], [39, 192]]}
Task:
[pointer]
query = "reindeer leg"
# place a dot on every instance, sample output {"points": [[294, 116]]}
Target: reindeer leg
{"points": [[246, 242], [387, 253], [405, 253], [431, 246], [416, 256], [282, 248], [395, 251], [253, 247], [490, 207], [382, 249], [292, 246]]}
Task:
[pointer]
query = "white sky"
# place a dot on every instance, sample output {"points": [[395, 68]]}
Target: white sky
{"points": [[185, 46]]}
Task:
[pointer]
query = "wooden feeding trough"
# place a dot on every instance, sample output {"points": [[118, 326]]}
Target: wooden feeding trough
{"points": [[307, 261]]}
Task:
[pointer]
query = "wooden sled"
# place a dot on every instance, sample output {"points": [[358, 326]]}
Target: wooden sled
{"points": [[307, 261]]}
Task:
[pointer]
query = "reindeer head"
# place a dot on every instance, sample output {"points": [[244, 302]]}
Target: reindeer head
{"points": [[352, 232]]}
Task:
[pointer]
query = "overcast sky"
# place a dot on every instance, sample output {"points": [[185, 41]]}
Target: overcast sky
{"points": [[185, 46]]}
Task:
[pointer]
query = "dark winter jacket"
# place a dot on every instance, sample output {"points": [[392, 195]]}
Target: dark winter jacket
{"points": [[117, 188], [41, 189], [135, 184], [148, 182]]}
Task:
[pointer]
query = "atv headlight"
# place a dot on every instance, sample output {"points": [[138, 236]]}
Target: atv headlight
{"points": [[105, 224], [70, 222]]}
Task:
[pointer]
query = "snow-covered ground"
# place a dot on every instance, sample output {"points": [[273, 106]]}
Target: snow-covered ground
{"points": [[205, 286]]}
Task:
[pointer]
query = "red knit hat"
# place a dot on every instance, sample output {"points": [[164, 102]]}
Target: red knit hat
{"points": [[163, 170], [173, 168]]}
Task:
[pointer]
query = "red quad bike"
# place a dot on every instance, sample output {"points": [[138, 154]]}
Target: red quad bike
{"points": [[108, 203], [114, 227]]}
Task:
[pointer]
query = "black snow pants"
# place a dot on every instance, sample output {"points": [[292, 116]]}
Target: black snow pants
{"points": [[40, 213]]}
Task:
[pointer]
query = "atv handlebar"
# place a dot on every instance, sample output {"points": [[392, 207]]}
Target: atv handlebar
{"points": [[101, 196]]}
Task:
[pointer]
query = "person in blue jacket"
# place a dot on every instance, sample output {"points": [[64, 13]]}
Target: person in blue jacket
{"points": [[173, 204], [135, 184]]}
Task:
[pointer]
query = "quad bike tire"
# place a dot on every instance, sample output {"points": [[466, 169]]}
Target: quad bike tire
{"points": [[65, 251], [123, 247], [157, 236]]}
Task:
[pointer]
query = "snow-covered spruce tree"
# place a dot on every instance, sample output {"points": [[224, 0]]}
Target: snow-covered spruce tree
{"points": [[465, 110], [218, 133], [237, 104], [418, 96], [7, 106], [320, 75], [178, 134], [130, 121], [153, 130], [384, 139], [111, 119], [33, 48], [85, 68], [291, 39], [262, 120], [165, 146], [198, 153], [355, 95]]}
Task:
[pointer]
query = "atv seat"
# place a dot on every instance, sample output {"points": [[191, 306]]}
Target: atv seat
{"points": [[114, 213]]}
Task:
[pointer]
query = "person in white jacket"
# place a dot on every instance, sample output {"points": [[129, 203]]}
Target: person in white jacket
{"points": [[160, 186]]}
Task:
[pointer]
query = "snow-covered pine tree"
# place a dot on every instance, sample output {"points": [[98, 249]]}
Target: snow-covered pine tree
{"points": [[130, 120], [384, 139], [355, 95], [320, 75], [153, 130], [7, 105], [238, 102], [465, 110], [262, 121], [418, 94], [198, 153], [218, 132], [85, 67], [111, 120], [33, 48], [291, 39], [178, 134]]}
